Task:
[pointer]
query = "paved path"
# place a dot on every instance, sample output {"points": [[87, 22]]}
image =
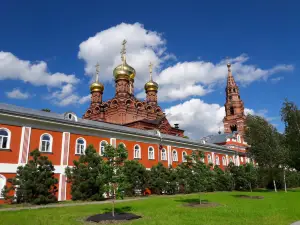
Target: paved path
{"points": [[296, 223], [68, 204]]}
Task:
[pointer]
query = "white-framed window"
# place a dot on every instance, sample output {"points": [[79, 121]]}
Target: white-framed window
{"points": [[102, 147], [209, 158], [183, 156], [163, 154], [242, 159], [137, 152], [217, 160], [150, 153], [80, 146], [46, 143], [5, 135], [230, 160], [238, 138], [174, 156], [224, 160], [2, 184]]}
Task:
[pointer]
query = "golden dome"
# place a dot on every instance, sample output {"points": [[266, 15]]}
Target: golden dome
{"points": [[124, 71], [96, 86], [151, 86]]}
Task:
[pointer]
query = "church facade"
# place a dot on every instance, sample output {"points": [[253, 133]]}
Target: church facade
{"points": [[140, 126]]}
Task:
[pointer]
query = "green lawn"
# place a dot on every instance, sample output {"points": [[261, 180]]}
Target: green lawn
{"points": [[276, 208]]}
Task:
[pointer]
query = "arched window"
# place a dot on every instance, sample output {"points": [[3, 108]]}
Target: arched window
{"points": [[217, 160], [46, 143], [231, 110], [137, 152], [102, 147], [230, 160], [209, 158], [80, 146], [224, 161], [163, 154], [174, 156], [183, 156], [2, 184], [4, 138], [150, 153]]}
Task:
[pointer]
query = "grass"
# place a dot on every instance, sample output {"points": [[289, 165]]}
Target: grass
{"points": [[276, 208]]}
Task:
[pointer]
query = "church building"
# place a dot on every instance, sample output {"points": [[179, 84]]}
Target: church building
{"points": [[141, 126]]}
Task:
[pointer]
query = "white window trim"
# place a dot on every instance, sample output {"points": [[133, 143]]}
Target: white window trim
{"points": [[153, 153], [161, 155], [51, 142], [224, 160], [209, 159], [8, 138], [139, 155], [217, 160], [1, 188], [176, 159], [101, 146], [84, 146], [183, 158]]}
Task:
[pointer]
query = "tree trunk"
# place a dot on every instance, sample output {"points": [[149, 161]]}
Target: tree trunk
{"points": [[113, 203], [200, 198], [285, 189], [250, 186], [274, 183]]}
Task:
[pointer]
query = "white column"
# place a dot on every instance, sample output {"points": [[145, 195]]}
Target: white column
{"points": [[213, 158], [24, 145], [169, 155]]}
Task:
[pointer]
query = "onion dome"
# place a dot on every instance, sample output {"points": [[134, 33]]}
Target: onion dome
{"points": [[124, 70], [151, 85], [97, 86]]}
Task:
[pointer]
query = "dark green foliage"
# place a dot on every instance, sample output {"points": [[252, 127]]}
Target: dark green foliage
{"points": [[87, 177], [136, 177], [35, 181], [290, 115], [223, 180], [159, 178]]}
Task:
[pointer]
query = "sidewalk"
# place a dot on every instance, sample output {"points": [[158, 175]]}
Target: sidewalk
{"points": [[68, 204]]}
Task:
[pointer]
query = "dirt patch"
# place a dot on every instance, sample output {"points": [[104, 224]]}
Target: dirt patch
{"points": [[202, 205], [249, 197], [108, 218]]}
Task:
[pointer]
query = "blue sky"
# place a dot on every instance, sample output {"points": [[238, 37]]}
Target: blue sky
{"points": [[48, 58]]}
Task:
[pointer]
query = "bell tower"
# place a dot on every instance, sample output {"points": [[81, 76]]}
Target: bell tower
{"points": [[234, 119]]}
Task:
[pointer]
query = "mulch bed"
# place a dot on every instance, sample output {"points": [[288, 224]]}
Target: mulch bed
{"points": [[250, 197], [108, 218], [202, 205]]}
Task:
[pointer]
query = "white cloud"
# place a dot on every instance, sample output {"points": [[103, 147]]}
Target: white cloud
{"points": [[14, 68], [198, 118], [17, 94], [68, 96], [276, 79], [143, 46]]}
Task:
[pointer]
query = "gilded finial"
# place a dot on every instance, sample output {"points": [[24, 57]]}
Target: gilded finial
{"points": [[123, 52], [150, 70], [97, 72]]}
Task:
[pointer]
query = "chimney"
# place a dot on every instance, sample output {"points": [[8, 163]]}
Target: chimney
{"points": [[176, 125]]}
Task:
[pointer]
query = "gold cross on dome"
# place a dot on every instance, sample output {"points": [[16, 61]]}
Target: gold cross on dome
{"points": [[150, 70], [97, 71], [123, 50]]}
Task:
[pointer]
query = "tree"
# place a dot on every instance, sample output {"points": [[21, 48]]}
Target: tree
{"points": [[34, 183], [290, 115], [114, 172], [223, 181], [136, 177], [158, 179], [266, 145], [87, 176]]}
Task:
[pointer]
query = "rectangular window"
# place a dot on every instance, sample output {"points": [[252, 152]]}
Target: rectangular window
{"points": [[3, 142]]}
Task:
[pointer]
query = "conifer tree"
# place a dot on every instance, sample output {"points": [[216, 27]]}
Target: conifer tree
{"points": [[34, 183], [87, 176]]}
